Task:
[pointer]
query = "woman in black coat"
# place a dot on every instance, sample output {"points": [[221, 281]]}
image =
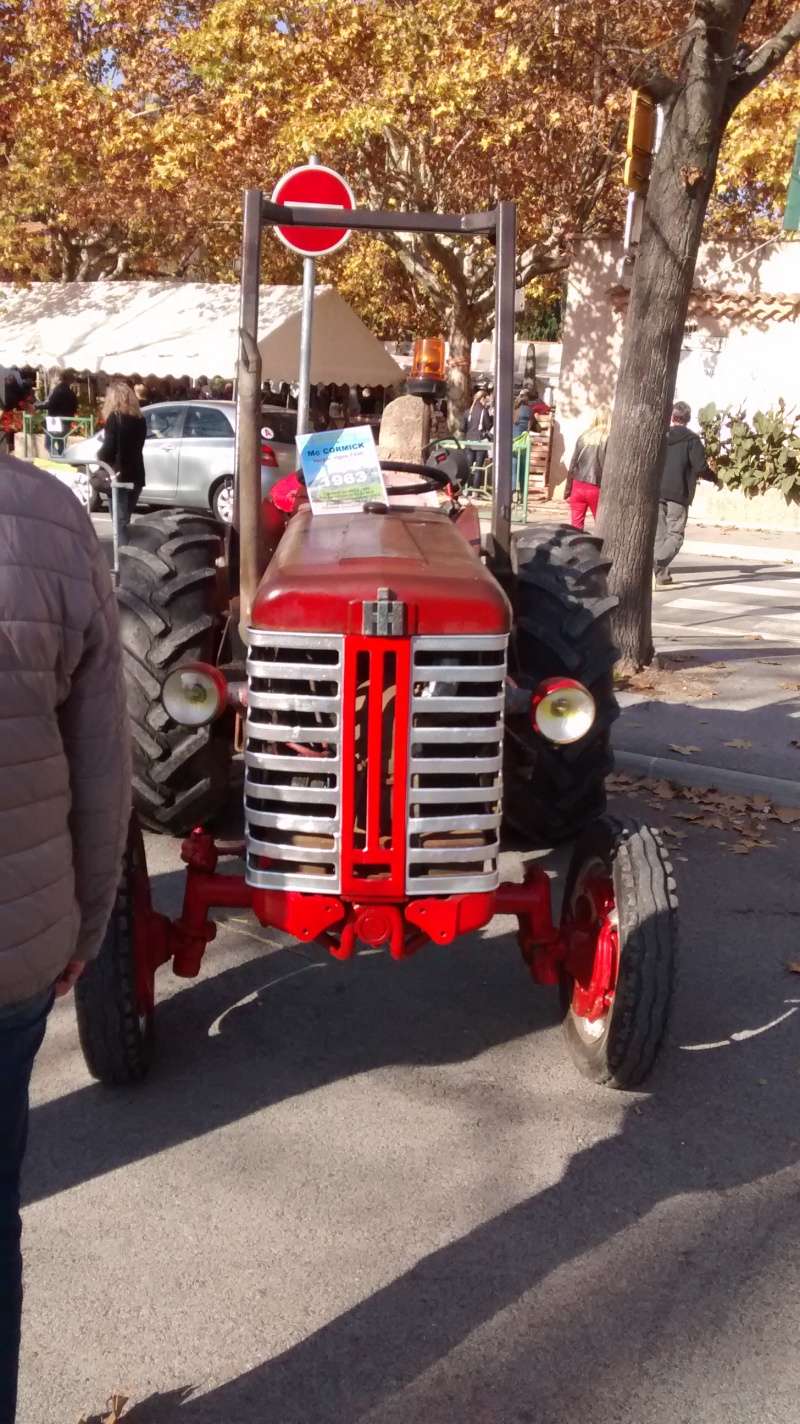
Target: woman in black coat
{"points": [[123, 443]]}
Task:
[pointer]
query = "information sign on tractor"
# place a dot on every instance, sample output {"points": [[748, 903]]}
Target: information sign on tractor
{"points": [[313, 186], [341, 469]]}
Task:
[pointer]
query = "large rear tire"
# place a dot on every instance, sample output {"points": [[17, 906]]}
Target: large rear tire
{"points": [[620, 901], [114, 997], [168, 614], [562, 628]]}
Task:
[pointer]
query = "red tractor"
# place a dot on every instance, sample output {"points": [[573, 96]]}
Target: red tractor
{"points": [[396, 701]]}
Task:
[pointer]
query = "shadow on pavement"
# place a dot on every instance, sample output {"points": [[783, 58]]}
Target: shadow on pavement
{"points": [[278, 1026], [383, 1359], [472, 1332], [748, 719]]}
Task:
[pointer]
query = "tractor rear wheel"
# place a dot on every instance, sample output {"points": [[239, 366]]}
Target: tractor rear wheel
{"points": [[115, 995], [619, 923], [562, 628], [168, 615]]}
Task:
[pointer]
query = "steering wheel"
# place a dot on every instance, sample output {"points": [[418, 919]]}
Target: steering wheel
{"points": [[432, 479]]}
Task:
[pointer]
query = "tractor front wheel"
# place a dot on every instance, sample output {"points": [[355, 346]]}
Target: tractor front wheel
{"points": [[619, 926], [115, 995]]}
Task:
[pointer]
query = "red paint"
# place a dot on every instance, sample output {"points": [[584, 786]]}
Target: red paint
{"points": [[444, 920], [320, 186], [591, 954], [359, 763], [287, 492], [326, 566], [307, 917], [586, 947], [468, 524]]}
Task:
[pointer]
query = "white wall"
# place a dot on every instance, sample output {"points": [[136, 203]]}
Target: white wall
{"points": [[732, 362]]}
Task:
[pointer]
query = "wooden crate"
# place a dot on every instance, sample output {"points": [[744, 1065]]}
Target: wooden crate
{"points": [[541, 442]]}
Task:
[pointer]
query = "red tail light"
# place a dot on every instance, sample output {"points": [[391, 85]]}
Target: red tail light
{"points": [[268, 457]]}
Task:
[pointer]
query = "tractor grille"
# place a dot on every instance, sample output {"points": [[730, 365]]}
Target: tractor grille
{"points": [[455, 764], [292, 789]]}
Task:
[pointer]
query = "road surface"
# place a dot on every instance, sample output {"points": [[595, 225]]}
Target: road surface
{"points": [[379, 1193], [726, 600]]}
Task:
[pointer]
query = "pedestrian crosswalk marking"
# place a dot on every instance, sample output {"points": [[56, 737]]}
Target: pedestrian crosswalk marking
{"points": [[712, 605], [762, 590], [705, 630]]}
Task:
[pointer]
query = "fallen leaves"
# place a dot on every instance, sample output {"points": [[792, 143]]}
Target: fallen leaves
{"points": [[787, 815], [673, 677], [743, 818], [740, 744], [793, 965], [115, 1405], [684, 751]]}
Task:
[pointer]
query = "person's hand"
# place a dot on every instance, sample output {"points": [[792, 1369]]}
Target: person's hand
{"points": [[69, 977]]}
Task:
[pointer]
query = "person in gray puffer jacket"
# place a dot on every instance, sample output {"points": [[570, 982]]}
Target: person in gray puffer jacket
{"points": [[64, 804]]}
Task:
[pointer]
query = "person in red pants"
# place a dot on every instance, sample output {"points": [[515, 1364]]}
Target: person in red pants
{"points": [[586, 468]]}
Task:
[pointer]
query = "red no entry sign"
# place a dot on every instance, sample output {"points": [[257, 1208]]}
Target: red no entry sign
{"points": [[318, 187]]}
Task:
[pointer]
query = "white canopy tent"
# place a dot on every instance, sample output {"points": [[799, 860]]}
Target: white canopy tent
{"points": [[183, 329]]}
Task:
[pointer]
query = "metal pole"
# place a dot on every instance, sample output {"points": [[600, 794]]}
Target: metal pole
{"points": [[504, 381], [114, 499], [306, 323], [247, 502]]}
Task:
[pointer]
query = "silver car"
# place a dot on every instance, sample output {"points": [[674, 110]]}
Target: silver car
{"points": [[188, 455]]}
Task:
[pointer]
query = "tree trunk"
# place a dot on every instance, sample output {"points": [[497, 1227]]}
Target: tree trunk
{"points": [[462, 331], [682, 178]]}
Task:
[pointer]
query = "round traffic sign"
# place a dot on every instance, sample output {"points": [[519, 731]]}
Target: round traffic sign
{"points": [[313, 186]]}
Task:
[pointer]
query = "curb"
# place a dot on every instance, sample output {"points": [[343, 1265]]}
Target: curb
{"points": [[752, 553], [780, 791]]}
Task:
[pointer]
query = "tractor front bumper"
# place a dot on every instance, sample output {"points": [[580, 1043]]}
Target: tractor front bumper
{"points": [[341, 925]]}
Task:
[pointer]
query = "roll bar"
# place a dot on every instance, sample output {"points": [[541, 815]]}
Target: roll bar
{"points": [[498, 225]]}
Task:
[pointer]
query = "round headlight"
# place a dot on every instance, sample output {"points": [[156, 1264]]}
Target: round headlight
{"points": [[562, 710], [194, 694]]}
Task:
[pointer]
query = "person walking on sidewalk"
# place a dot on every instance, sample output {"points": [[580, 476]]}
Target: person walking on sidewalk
{"points": [[685, 463], [586, 468], [64, 805]]}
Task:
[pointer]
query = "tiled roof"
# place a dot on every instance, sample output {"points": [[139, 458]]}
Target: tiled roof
{"points": [[753, 307]]}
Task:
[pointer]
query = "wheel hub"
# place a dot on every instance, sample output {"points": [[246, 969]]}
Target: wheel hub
{"points": [[592, 953], [225, 504]]}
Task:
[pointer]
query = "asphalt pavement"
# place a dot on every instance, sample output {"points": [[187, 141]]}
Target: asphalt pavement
{"points": [[730, 629], [380, 1192]]}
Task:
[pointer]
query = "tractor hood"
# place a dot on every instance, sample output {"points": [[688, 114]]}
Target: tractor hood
{"points": [[328, 565]]}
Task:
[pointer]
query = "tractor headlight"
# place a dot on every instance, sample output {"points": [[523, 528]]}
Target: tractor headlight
{"points": [[562, 710], [195, 694]]}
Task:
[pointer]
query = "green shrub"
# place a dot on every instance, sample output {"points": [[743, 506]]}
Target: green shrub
{"points": [[757, 457]]}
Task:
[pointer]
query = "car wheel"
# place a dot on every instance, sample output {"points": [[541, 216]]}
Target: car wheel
{"points": [[88, 496], [222, 501]]}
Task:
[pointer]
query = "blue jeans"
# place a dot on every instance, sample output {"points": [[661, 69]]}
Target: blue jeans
{"points": [[22, 1029]]}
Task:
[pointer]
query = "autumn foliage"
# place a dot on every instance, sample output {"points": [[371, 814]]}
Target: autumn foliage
{"points": [[127, 132]]}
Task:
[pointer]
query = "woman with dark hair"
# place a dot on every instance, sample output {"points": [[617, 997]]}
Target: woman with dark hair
{"points": [[123, 443]]}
